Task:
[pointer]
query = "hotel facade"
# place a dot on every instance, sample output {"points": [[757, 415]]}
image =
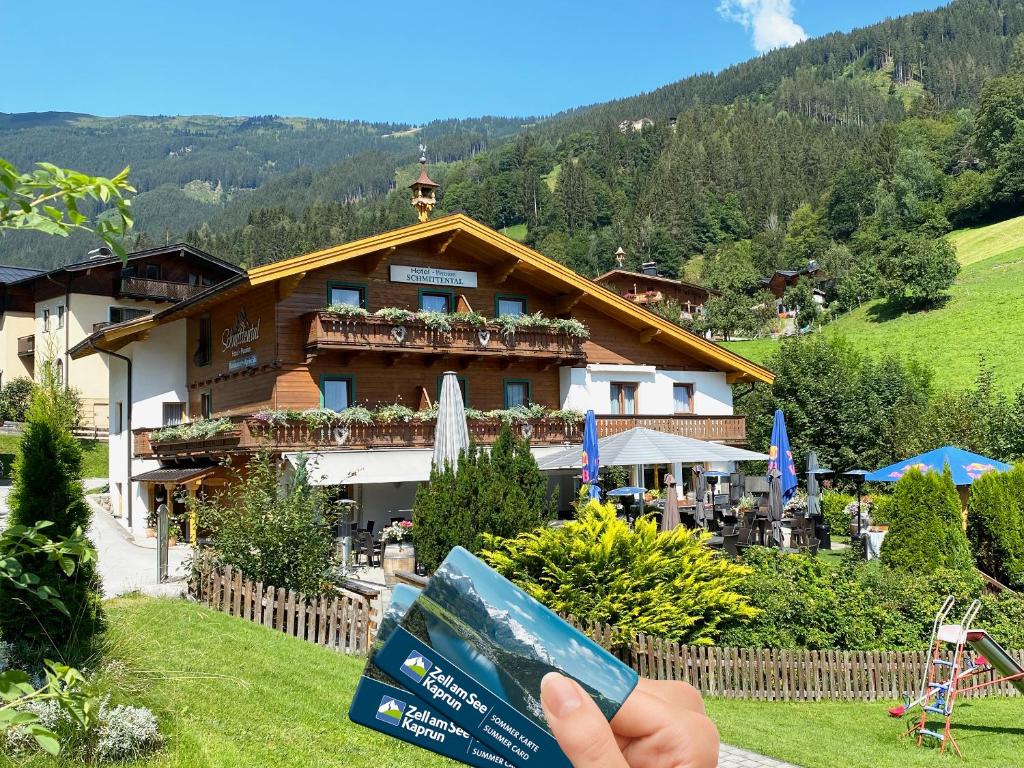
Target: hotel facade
{"points": [[270, 354]]}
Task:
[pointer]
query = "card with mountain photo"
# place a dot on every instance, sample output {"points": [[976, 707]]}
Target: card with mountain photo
{"points": [[475, 647], [382, 704]]}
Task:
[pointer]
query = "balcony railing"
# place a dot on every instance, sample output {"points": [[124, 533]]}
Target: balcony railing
{"points": [[327, 331], [157, 290], [26, 346], [295, 435]]}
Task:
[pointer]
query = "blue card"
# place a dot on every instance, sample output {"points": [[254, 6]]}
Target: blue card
{"points": [[475, 647], [383, 705]]}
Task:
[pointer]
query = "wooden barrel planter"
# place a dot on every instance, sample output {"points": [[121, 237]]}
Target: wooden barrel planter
{"points": [[398, 557]]}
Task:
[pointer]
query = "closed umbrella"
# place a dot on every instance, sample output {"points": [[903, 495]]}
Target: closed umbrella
{"points": [[775, 504], [451, 435], [780, 458], [670, 515], [591, 461], [700, 488], [813, 499]]}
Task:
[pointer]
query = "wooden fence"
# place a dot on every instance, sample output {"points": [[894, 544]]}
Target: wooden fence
{"points": [[772, 674], [346, 622]]}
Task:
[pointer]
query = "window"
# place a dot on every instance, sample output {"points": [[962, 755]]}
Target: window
{"points": [[58, 368], [623, 398], [60, 316], [204, 348], [46, 321], [509, 305], [682, 398], [337, 392], [436, 301], [345, 293], [193, 278], [206, 405], [462, 385], [117, 418], [129, 272], [174, 413], [120, 314], [516, 393], [153, 271]]}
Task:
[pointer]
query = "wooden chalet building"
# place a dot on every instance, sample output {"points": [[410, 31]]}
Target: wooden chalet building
{"points": [[261, 346], [648, 288]]}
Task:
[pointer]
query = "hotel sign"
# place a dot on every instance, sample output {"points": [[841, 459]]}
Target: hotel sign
{"points": [[238, 340], [432, 276]]}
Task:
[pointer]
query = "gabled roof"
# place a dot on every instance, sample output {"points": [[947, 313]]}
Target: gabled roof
{"points": [[14, 274], [487, 242], [628, 273], [183, 249]]}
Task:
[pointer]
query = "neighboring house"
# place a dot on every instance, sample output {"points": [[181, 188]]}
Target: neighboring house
{"points": [[260, 341], [17, 325], [47, 313], [779, 281], [647, 287]]}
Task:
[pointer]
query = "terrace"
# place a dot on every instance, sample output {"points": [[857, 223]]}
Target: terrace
{"points": [[157, 290], [247, 434], [328, 331]]}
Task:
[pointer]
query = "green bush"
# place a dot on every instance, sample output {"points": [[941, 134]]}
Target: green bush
{"points": [[638, 579], [47, 487], [833, 509], [282, 539], [881, 508], [500, 492], [804, 603], [995, 525], [15, 397], [926, 527]]}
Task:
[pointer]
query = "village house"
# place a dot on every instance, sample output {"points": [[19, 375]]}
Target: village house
{"points": [[289, 354], [648, 288], [45, 314]]}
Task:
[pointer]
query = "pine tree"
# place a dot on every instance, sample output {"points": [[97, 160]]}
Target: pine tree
{"points": [[48, 487]]}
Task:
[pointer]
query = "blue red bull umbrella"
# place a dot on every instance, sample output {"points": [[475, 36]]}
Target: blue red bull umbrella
{"points": [[591, 455], [966, 467], [780, 458]]}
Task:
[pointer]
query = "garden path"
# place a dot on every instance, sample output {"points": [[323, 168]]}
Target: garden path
{"points": [[734, 757]]}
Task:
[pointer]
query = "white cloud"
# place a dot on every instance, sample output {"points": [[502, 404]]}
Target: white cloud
{"points": [[770, 21]]}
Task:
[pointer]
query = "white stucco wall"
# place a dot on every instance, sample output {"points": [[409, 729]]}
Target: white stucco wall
{"points": [[12, 326], [158, 377], [589, 388]]}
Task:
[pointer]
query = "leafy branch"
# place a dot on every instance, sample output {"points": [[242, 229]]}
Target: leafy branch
{"points": [[48, 200]]}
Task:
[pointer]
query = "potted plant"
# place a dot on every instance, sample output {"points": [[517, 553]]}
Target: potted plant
{"points": [[745, 504], [399, 553], [151, 525]]}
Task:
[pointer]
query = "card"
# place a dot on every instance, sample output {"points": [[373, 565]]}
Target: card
{"points": [[383, 705], [475, 647]]}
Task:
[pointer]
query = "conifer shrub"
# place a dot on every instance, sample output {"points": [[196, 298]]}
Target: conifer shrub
{"points": [[995, 525], [47, 486], [500, 491], [638, 579], [926, 526]]}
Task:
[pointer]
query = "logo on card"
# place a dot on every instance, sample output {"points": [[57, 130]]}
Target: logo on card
{"points": [[390, 710], [416, 667]]}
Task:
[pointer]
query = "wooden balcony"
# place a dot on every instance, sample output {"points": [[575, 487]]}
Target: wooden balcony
{"points": [[250, 435], [330, 332], [26, 346], [716, 429], [157, 290]]}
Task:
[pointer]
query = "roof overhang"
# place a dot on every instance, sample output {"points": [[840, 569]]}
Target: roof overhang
{"points": [[509, 254]]}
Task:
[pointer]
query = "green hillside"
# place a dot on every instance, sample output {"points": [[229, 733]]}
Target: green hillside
{"points": [[984, 315]]}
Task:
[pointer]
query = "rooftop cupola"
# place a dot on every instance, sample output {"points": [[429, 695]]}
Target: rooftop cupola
{"points": [[423, 189], [620, 257]]}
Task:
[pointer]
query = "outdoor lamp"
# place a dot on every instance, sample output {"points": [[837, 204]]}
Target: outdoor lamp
{"points": [[857, 475], [713, 476]]}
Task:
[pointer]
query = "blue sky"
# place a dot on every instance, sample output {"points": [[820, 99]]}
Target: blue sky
{"points": [[397, 61]]}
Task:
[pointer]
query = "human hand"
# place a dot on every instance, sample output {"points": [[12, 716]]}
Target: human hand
{"points": [[661, 725]]}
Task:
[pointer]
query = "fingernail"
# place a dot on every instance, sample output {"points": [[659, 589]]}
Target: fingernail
{"points": [[560, 694]]}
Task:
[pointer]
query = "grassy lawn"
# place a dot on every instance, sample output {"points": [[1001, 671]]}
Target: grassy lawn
{"points": [[516, 232], [862, 735], [984, 314], [231, 694], [95, 454]]}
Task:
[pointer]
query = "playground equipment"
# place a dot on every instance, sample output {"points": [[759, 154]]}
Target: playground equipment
{"points": [[950, 666]]}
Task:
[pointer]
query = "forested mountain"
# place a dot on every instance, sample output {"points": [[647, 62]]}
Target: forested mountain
{"points": [[828, 149], [198, 169]]}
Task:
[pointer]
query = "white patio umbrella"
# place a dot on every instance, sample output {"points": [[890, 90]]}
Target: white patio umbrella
{"points": [[648, 446], [451, 435]]}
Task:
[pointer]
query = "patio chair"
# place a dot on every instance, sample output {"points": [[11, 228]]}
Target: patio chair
{"points": [[729, 530], [730, 545], [369, 526], [362, 543], [379, 548]]}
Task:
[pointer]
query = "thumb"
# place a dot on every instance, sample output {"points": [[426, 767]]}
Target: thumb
{"points": [[581, 729]]}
